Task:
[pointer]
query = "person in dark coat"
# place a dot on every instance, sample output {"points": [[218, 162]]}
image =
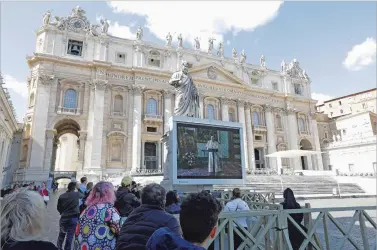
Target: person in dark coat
{"points": [[89, 188], [295, 236], [146, 219], [172, 205], [68, 207], [126, 201], [198, 218]]}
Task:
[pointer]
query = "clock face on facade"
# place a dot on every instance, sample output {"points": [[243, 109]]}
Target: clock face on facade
{"points": [[77, 24]]}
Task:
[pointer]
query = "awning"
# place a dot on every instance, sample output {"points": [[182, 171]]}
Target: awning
{"points": [[293, 153]]}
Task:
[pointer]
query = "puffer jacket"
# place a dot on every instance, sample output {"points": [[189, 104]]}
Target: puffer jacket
{"points": [[125, 202]]}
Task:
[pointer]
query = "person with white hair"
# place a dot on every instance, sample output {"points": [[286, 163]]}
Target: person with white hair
{"points": [[22, 221]]}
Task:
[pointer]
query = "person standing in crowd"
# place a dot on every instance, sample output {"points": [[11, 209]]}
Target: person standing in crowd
{"points": [[68, 207], [146, 219], [126, 201], [172, 205], [98, 225], [234, 205], [22, 221], [44, 193], [135, 189], [295, 236], [198, 218], [89, 188], [82, 187]]}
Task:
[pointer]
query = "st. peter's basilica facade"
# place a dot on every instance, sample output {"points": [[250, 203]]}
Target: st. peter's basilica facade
{"points": [[113, 95]]}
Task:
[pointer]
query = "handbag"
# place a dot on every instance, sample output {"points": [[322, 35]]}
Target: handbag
{"points": [[46, 198]]}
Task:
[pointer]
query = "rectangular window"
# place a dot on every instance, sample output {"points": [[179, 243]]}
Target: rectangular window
{"points": [[275, 86], [154, 62], [298, 89], [258, 138], [120, 58], [351, 167], [152, 129], [75, 47]]}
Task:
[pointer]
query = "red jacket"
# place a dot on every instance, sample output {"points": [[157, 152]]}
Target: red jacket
{"points": [[43, 192]]}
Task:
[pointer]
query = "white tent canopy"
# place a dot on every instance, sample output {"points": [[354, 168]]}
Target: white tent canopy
{"points": [[293, 153]]}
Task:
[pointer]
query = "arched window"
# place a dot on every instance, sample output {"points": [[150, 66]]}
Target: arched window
{"points": [[151, 106], [70, 99], [255, 118], [210, 111], [24, 152], [116, 151], [31, 100], [278, 122], [118, 103], [301, 125]]}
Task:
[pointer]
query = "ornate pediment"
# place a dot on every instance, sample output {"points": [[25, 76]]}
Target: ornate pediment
{"points": [[294, 70], [214, 72]]}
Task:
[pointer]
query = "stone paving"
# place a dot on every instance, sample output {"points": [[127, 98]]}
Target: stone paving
{"points": [[52, 220]]}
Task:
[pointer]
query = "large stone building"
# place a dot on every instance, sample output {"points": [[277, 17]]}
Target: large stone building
{"points": [[347, 128], [8, 127], [113, 96]]}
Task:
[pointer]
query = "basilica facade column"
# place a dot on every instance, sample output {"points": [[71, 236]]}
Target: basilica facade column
{"points": [[201, 105], [317, 144], [241, 119], [47, 163], [168, 112], [250, 138], [271, 140], [136, 128], [293, 135], [224, 109], [82, 141]]}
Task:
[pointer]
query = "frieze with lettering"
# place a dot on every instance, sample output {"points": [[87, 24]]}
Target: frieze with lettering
{"points": [[111, 75], [151, 79]]}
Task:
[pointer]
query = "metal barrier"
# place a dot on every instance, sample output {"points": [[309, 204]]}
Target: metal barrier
{"points": [[251, 196], [268, 228]]}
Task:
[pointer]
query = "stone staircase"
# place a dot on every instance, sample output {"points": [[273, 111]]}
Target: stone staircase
{"points": [[301, 185]]}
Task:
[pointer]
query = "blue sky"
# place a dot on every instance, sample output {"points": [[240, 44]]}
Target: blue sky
{"points": [[335, 42]]}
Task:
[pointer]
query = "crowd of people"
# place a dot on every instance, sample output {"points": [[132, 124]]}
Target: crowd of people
{"points": [[96, 217]]}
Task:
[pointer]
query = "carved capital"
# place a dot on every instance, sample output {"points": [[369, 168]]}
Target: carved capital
{"points": [[224, 100], [168, 93], [82, 135], [99, 84], [240, 103], [291, 111], [46, 79], [50, 134], [138, 89], [201, 96], [248, 105], [268, 108]]}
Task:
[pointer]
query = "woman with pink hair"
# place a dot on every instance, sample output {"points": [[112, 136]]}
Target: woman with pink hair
{"points": [[99, 222]]}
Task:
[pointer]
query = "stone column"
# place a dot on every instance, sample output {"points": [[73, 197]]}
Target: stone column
{"points": [[250, 138], [224, 109], [159, 154], [38, 133], [317, 144], [47, 163], [138, 55], [130, 128], [241, 119], [82, 139], [136, 128], [271, 139], [201, 105], [293, 135], [167, 109]]}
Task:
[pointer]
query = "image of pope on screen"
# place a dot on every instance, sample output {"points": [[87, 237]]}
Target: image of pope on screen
{"points": [[208, 152]]}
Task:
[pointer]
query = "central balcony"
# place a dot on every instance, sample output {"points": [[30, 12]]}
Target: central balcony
{"points": [[70, 111], [153, 119], [259, 129]]}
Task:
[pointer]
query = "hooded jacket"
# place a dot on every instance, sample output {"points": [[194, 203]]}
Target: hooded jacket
{"points": [[125, 201], [164, 239]]}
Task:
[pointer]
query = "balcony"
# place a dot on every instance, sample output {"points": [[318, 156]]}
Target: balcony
{"points": [[148, 172], [259, 129], [304, 133], [153, 119], [71, 111]]}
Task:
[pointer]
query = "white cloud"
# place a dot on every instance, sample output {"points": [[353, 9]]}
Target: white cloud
{"points": [[16, 86], [117, 30], [361, 55], [204, 19], [18, 93], [321, 97], [228, 42]]}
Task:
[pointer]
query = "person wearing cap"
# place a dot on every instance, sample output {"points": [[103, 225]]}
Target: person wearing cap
{"points": [[126, 201]]}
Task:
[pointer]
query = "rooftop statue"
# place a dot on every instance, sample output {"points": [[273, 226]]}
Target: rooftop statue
{"points": [[220, 50], [197, 43], [234, 53], [263, 61], [139, 34], [210, 45], [243, 56], [180, 41], [105, 26], [186, 93], [78, 12], [46, 17], [169, 38]]}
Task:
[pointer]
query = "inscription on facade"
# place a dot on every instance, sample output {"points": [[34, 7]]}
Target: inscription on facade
{"points": [[112, 75], [151, 79]]}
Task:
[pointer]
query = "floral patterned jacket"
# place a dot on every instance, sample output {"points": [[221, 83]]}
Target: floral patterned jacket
{"points": [[97, 228]]}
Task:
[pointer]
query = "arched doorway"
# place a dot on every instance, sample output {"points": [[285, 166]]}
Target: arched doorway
{"points": [[306, 160], [66, 146]]}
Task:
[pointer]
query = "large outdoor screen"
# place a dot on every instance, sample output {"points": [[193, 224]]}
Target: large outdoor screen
{"points": [[208, 153]]}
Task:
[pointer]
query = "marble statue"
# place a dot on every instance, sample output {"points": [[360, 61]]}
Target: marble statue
{"points": [[186, 93], [139, 34], [59, 22], [197, 43], [78, 12], [220, 50], [180, 41], [210, 45], [243, 56], [46, 18], [338, 137], [169, 38], [262, 61], [283, 66], [305, 75], [105, 26], [93, 29], [234, 53]]}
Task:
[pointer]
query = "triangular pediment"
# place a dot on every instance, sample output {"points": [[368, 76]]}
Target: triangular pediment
{"points": [[214, 72]]}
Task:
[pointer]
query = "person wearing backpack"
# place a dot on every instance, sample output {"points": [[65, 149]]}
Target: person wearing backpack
{"points": [[126, 201], [89, 188], [234, 205]]}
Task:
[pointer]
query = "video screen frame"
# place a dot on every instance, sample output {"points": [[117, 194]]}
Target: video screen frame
{"points": [[173, 141]]}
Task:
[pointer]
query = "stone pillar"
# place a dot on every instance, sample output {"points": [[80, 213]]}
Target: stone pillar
{"points": [[241, 119], [167, 109], [293, 135], [138, 56], [250, 138], [271, 139], [136, 128], [82, 140], [317, 144], [159, 154], [38, 134], [201, 105], [130, 128], [47, 163], [224, 109]]}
